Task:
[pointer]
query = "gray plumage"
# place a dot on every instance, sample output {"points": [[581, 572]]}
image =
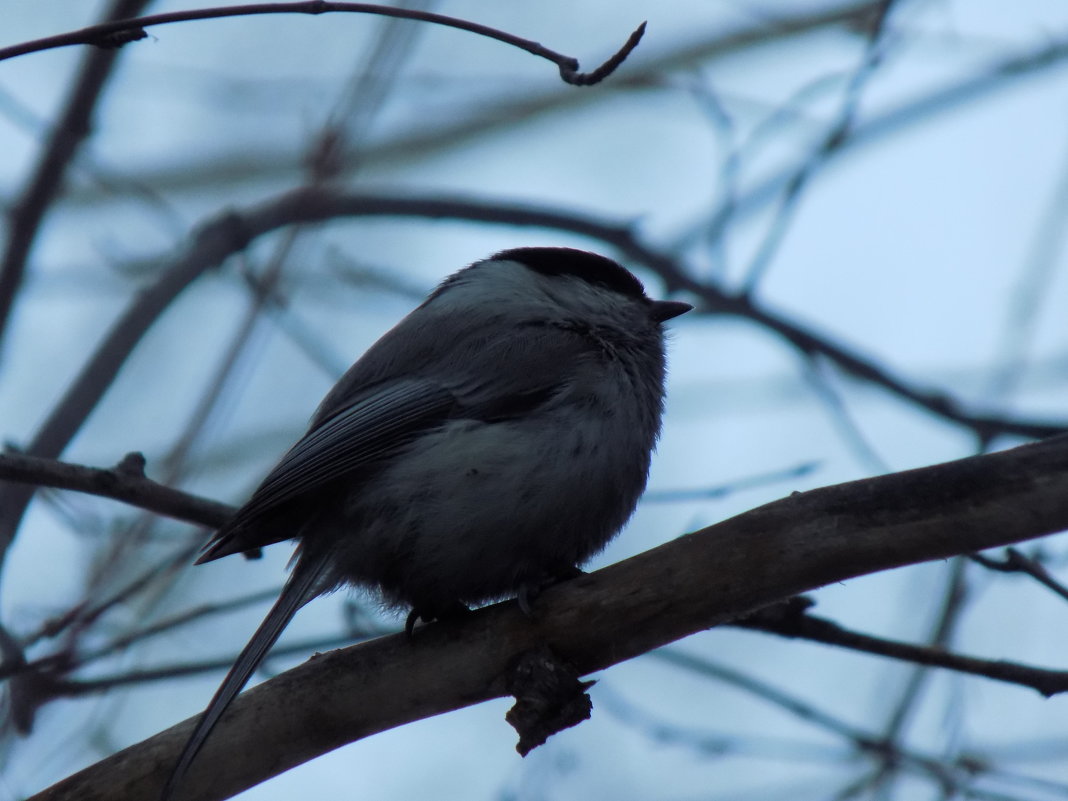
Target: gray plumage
{"points": [[487, 445]]}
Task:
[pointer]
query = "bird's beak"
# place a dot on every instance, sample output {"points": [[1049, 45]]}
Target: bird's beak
{"points": [[664, 310]]}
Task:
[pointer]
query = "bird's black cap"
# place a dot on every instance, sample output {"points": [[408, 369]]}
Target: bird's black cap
{"points": [[582, 264]]}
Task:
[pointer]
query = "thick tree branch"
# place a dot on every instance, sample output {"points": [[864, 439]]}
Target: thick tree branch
{"points": [[700, 580], [116, 34]]}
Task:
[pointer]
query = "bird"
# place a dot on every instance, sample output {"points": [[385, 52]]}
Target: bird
{"points": [[483, 448]]}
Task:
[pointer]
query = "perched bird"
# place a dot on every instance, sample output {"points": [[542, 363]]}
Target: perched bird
{"points": [[485, 447]]}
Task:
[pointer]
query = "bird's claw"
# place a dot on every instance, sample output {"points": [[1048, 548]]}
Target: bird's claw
{"points": [[410, 621]]}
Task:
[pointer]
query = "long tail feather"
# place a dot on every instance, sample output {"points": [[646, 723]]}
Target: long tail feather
{"points": [[303, 586]]}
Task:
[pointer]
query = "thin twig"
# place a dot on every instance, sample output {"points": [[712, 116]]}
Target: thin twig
{"points": [[791, 619], [118, 483], [723, 490], [70, 688], [835, 136], [66, 662], [822, 382], [862, 740], [999, 76], [1017, 562], [115, 34], [953, 599]]}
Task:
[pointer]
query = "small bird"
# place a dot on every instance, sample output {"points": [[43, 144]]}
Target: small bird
{"points": [[485, 447]]}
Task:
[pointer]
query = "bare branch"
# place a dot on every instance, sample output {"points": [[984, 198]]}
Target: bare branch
{"points": [[115, 34], [118, 483], [700, 580], [792, 620], [1016, 562]]}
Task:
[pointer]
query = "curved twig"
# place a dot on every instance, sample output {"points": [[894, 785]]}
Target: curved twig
{"points": [[116, 34]]}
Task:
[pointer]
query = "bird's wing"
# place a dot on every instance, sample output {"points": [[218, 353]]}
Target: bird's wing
{"points": [[370, 426], [512, 375], [361, 421]]}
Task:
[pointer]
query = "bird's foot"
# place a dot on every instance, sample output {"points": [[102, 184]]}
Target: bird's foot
{"points": [[530, 590]]}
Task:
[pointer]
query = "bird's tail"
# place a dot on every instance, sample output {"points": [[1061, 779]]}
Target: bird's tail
{"points": [[303, 585]]}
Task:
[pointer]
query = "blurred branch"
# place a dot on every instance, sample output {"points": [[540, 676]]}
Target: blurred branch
{"points": [[73, 125], [1031, 292], [821, 380], [115, 34], [837, 132], [703, 741], [74, 688], [687, 585], [791, 619], [31, 685], [119, 483], [66, 661], [210, 246], [985, 426], [946, 775], [88, 612], [999, 76], [955, 774], [724, 490], [37, 683], [953, 598]]}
